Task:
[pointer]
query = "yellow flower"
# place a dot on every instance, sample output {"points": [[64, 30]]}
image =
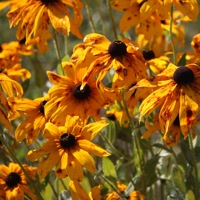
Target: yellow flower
{"points": [[194, 57], [128, 20], [69, 148], [78, 193], [34, 110], [124, 57], [134, 195], [156, 64], [172, 137], [69, 96], [177, 92], [33, 17], [10, 58], [13, 182]]}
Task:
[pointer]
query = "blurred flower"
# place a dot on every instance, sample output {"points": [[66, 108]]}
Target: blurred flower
{"points": [[33, 18], [193, 57], [69, 147], [34, 110], [134, 195], [78, 193], [177, 92], [10, 58], [69, 96], [13, 182]]}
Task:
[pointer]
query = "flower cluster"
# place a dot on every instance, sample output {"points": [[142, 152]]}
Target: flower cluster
{"points": [[104, 88]]}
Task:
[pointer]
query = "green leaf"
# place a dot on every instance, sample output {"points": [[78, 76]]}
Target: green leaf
{"points": [[109, 170], [182, 61], [178, 179], [189, 195], [185, 147], [150, 170]]}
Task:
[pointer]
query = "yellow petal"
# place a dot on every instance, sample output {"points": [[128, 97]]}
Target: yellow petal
{"points": [[46, 165], [188, 110], [91, 130], [92, 148], [84, 158], [77, 191]]}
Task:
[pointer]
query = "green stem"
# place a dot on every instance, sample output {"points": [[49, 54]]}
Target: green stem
{"points": [[136, 141], [112, 186], [114, 150], [112, 19], [57, 50], [171, 34], [15, 159], [90, 16], [194, 166]]}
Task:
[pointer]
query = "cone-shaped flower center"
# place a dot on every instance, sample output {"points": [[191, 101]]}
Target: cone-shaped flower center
{"points": [[12, 180], [67, 140], [47, 2], [148, 55], [183, 75], [81, 94], [42, 106], [117, 48]]}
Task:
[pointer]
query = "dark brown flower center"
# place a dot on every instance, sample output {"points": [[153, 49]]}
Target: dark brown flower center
{"points": [[183, 75], [67, 140], [12, 180], [148, 55], [117, 48], [47, 2], [81, 94], [42, 106]]}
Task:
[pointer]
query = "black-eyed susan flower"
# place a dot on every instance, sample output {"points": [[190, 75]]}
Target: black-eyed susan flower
{"points": [[124, 57], [33, 17], [173, 136], [69, 96], [78, 192], [14, 183], [134, 195], [34, 112], [176, 92], [68, 147]]}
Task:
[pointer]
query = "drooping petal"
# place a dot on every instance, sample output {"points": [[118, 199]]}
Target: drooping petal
{"points": [[188, 109], [46, 165], [77, 191], [91, 130], [84, 158], [46, 149], [92, 148]]}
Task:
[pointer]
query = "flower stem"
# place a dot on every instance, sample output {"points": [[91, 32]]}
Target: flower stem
{"points": [[90, 16], [112, 19], [196, 189], [171, 34], [57, 51], [136, 141], [15, 159]]}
